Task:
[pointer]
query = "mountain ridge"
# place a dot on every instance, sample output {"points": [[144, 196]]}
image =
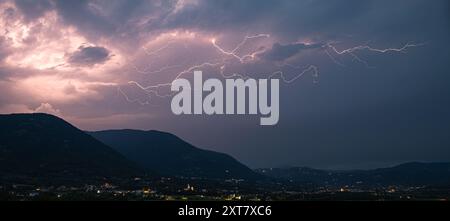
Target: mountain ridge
{"points": [[181, 158], [40, 143], [409, 173]]}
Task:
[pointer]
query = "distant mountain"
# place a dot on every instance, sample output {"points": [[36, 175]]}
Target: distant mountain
{"points": [[42, 145], [303, 175], [411, 174], [167, 154]]}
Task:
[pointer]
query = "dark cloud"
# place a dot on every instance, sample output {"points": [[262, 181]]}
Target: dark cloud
{"points": [[87, 56], [287, 17], [113, 18], [223, 14], [32, 9], [280, 52], [320, 19], [83, 16]]}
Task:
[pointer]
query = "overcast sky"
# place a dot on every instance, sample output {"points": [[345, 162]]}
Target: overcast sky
{"points": [[364, 83]]}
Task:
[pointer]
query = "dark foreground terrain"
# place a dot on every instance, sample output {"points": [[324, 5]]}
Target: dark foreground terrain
{"points": [[42, 157]]}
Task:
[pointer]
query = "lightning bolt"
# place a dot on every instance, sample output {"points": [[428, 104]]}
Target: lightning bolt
{"points": [[155, 52], [233, 52], [311, 68], [330, 50], [119, 90], [154, 88], [352, 51]]}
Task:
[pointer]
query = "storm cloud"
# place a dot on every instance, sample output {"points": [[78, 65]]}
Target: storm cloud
{"points": [[89, 55]]}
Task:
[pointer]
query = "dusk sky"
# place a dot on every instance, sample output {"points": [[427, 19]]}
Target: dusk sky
{"points": [[363, 83]]}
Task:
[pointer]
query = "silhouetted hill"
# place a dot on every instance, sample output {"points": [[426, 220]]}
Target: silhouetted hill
{"points": [[410, 174], [167, 154], [42, 145]]}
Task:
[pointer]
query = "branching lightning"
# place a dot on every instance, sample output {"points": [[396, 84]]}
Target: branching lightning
{"points": [[330, 50], [119, 90], [234, 52], [351, 51]]}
